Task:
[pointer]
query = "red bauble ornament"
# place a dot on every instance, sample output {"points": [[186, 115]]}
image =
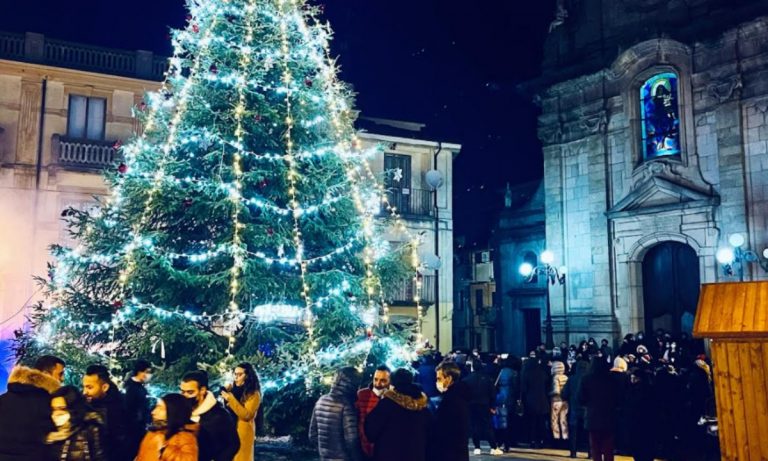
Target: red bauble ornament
{"points": [[257, 118], [270, 232], [117, 304], [263, 183], [189, 17], [195, 28], [369, 333], [118, 144], [122, 168], [213, 69], [308, 81], [143, 106]]}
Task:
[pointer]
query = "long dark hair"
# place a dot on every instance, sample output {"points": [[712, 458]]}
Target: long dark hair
{"points": [[179, 410], [77, 406], [252, 383]]}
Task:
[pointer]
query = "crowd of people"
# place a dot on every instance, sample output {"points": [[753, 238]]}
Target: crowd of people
{"points": [[644, 399], [40, 419]]}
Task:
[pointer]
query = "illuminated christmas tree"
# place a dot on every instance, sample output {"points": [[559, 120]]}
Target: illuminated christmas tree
{"points": [[242, 223]]}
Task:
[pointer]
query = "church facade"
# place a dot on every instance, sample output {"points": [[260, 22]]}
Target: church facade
{"points": [[654, 129]]}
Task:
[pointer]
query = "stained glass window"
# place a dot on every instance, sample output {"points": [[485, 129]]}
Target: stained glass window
{"points": [[660, 116]]}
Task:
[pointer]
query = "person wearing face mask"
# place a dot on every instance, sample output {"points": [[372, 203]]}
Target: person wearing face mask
{"points": [[243, 400], [25, 410], [450, 428], [173, 435], [79, 431], [367, 399], [218, 439], [137, 407]]}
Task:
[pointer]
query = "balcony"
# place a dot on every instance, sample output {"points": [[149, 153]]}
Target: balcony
{"points": [[83, 154], [413, 203], [36, 48], [402, 293]]}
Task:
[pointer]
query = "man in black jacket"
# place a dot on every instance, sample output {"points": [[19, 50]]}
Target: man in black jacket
{"points": [[448, 439], [481, 404], [25, 410], [107, 400], [137, 406], [217, 440], [333, 428]]}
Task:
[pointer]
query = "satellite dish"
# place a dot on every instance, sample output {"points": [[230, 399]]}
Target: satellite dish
{"points": [[431, 262], [434, 179]]}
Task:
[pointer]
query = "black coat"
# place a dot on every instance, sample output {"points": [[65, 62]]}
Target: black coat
{"points": [[398, 426], [137, 412], [218, 439], [111, 408], [450, 429], [534, 388], [25, 415], [600, 398], [85, 443], [481, 390], [571, 390], [333, 428]]}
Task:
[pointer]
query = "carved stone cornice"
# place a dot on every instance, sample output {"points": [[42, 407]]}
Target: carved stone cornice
{"points": [[660, 51]]}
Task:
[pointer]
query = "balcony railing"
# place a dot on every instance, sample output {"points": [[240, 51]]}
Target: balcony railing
{"points": [[412, 202], [403, 292], [83, 153], [36, 48]]}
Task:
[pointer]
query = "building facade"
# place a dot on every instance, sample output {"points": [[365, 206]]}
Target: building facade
{"points": [[65, 107], [655, 138], [476, 300]]}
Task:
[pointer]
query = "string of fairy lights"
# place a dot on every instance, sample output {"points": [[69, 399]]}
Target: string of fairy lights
{"points": [[347, 147]]}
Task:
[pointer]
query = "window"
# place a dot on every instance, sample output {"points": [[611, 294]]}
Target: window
{"points": [[86, 117], [660, 116]]}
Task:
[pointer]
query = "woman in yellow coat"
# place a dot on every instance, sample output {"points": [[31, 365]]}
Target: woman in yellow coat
{"points": [[243, 400]]}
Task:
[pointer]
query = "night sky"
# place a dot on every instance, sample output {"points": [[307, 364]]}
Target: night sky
{"points": [[452, 65]]}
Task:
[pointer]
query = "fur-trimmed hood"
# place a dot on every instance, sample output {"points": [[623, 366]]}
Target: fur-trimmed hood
{"points": [[205, 406], [30, 377], [406, 401]]}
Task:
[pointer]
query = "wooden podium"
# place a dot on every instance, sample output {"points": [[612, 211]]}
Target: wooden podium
{"points": [[735, 317]]}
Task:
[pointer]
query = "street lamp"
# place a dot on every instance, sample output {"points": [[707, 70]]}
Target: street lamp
{"points": [[434, 179], [553, 275], [736, 255]]}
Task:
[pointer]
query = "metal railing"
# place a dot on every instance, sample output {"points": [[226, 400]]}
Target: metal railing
{"points": [[11, 45], [403, 292], [416, 202], [83, 153], [36, 48]]}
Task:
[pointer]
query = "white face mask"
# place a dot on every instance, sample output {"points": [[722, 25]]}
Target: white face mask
{"points": [[441, 387], [148, 377], [378, 392], [60, 419]]}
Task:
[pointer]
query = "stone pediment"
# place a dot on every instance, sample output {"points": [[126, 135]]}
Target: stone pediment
{"points": [[657, 194]]}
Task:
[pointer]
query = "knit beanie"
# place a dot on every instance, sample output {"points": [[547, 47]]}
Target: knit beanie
{"points": [[558, 368]]}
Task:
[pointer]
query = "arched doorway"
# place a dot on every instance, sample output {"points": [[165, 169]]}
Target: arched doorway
{"points": [[670, 287]]}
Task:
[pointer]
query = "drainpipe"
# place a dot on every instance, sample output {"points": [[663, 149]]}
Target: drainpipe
{"points": [[437, 253], [41, 134]]}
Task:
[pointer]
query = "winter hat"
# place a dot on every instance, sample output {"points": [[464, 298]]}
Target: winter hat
{"points": [[620, 365], [704, 366], [555, 351], [401, 377], [641, 350], [558, 368]]}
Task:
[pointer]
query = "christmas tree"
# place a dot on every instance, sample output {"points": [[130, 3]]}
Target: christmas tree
{"points": [[242, 223]]}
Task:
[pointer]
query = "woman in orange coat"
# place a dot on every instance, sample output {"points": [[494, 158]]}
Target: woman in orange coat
{"points": [[243, 400], [172, 437]]}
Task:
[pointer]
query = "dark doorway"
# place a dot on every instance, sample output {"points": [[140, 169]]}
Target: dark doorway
{"points": [[532, 318], [670, 288]]}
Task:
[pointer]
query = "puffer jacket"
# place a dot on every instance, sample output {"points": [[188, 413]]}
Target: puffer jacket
{"points": [[559, 379], [182, 446], [85, 443], [333, 427], [25, 415]]}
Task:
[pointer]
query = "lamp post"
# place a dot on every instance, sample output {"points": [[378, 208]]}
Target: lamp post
{"points": [[553, 275], [736, 255], [434, 180]]}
